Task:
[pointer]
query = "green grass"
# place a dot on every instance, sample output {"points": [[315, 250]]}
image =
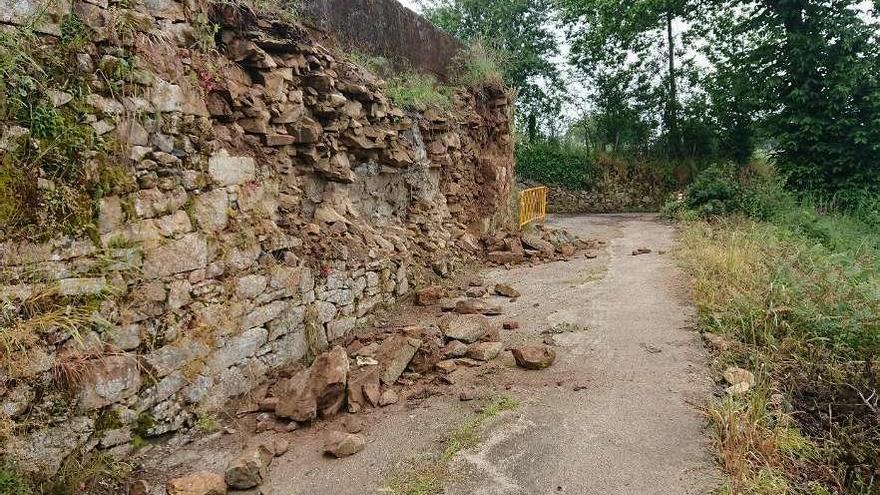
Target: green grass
{"points": [[416, 91], [12, 482], [426, 477], [478, 65], [800, 292]]}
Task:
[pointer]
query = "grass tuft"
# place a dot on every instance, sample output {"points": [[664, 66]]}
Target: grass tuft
{"points": [[426, 477]]}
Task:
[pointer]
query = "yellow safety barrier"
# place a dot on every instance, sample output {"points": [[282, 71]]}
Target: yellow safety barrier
{"points": [[532, 205]]}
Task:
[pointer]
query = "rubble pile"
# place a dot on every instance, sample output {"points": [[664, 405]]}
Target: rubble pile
{"points": [[270, 196], [538, 244]]}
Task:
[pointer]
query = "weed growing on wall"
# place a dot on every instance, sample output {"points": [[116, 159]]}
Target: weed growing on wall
{"points": [[418, 92], [53, 164]]}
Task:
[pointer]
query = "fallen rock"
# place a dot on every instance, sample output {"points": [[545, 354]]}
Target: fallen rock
{"points": [[534, 357], [510, 324], [476, 306], [353, 424], [505, 257], [394, 354], [506, 291], [429, 295], [388, 397], [476, 291], [250, 468], [740, 380], [296, 400], [534, 241], [447, 366], [320, 390], [280, 446], [340, 444], [484, 351], [328, 376], [455, 349], [567, 250], [363, 389], [198, 483], [641, 251], [465, 328]]}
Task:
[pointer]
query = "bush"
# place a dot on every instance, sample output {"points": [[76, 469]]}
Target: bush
{"points": [[756, 191], [552, 164]]}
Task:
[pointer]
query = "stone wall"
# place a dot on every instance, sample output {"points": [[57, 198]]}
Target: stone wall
{"points": [[386, 28], [277, 198]]}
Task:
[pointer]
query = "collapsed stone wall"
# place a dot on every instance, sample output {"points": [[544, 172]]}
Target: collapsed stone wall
{"points": [[278, 198]]}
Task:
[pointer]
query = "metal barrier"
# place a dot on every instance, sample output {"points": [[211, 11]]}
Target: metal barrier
{"points": [[532, 205]]}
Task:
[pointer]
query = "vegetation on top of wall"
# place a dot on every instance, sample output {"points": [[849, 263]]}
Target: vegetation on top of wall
{"points": [[416, 91], [479, 65]]}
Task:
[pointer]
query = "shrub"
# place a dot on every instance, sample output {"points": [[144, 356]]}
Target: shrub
{"points": [[478, 65], [715, 191], [550, 163]]}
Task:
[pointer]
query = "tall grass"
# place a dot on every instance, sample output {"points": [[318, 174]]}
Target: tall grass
{"points": [[799, 293]]}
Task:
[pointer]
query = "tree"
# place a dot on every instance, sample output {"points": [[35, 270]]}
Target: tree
{"points": [[633, 37], [521, 33], [808, 71]]}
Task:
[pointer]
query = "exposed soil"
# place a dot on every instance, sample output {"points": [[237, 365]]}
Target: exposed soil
{"points": [[616, 412]]}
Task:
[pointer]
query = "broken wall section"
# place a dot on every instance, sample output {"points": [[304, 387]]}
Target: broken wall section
{"points": [[273, 197]]}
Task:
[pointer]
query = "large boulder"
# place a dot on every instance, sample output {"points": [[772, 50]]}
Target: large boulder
{"points": [[318, 391], [394, 354]]}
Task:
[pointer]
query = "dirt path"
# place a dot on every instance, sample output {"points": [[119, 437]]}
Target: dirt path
{"points": [[613, 415], [633, 429]]}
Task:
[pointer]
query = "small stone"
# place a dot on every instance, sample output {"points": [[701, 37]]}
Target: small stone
{"points": [[455, 349], [641, 251], [506, 291], [484, 351], [249, 469], [339, 444], [510, 324], [198, 483], [534, 357], [353, 424], [429, 295], [740, 380], [446, 367], [388, 397]]}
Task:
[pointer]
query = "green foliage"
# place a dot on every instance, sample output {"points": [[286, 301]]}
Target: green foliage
{"points": [[552, 164], [12, 482], [479, 65], [520, 32], [755, 191], [417, 91]]}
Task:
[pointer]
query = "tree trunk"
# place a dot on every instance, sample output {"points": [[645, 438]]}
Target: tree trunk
{"points": [[672, 104]]}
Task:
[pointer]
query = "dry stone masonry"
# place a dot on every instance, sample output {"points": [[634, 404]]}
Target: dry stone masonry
{"points": [[276, 198]]}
